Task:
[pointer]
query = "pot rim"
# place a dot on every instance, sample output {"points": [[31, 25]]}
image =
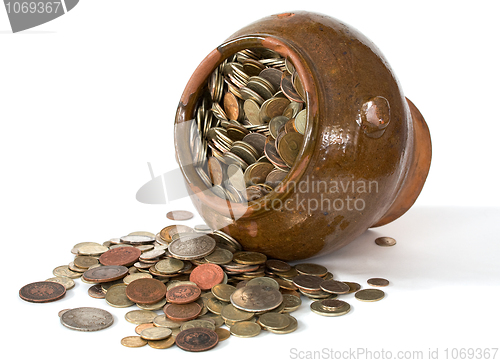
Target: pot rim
{"points": [[198, 82]]}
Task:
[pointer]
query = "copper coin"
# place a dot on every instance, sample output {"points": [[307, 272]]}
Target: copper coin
{"points": [[139, 328], [146, 291], [169, 231], [105, 273], [183, 294], [207, 276], [258, 141], [335, 287], [272, 153], [180, 215], [378, 282], [308, 282], [96, 292], [197, 339], [257, 173], [121, 256], [273, 75], [42, 292], [215, 170], [288, 89], [182, 312], [289, 147], [232, 106]]}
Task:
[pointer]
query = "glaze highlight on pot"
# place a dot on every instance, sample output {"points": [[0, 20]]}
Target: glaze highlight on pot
{"points": [[364, 144]]}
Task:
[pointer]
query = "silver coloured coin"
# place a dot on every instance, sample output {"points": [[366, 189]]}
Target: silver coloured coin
{"points": [[87, 319]]}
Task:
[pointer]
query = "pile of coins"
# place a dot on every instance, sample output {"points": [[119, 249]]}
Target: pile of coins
{"points": [[249, 125], [188, 284]]}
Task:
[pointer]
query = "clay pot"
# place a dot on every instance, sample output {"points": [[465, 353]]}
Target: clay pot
{"points": [[366, 150]]}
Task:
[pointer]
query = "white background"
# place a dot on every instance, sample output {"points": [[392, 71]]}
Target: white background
{"points": [[88, 99]]}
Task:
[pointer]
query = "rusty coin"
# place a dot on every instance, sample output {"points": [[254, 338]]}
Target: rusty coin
{"points": [[42, 292], [121, 256], [105, 273], [146, 291], [183, 294], [207, 276], [179, 215], [197, 339], [378, 282], [182, 312]]}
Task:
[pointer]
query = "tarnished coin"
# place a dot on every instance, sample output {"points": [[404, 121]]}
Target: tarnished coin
{"points": [[311, 269], [116, 297], [231, 313], [369, 295], [249, 258], [245, 329], [85, 261], [289, 147], [140, 316], [169, 231], [42, 292], [192, 247], [334, 287], [183, 294], [278, 265], [215, 305], [291, 302], [74, 268], [146, 291], [256, 298], [121, 256], [133, 342], [96, 292], [220, 256], [153, 254], [197, 339], [155, 306], [301, 121], [385, 241], [64, 271], [179, 215], [318, 308], [215, 171], [156, 333], [65, 281], [87, 319], [289, 329], [162, 344], [162, 320], [182, 312], [105, 273], [59, 314], [207, 275], [264, 281], [378, 282]]}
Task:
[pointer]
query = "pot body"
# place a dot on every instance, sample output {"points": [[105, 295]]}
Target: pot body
{"points": [[366, 150]]}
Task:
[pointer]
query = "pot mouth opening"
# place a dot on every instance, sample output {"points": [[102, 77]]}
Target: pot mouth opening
{"points": [[253, 85]]}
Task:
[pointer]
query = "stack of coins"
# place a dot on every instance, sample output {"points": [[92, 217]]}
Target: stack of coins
{"points": [[249, 125], [188, 285]]}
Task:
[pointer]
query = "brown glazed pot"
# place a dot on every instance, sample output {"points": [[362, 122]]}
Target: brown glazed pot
{"points": [[366, 150]]}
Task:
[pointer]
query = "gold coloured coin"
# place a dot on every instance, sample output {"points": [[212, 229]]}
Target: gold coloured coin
{"points": [[162, 344], [85, 262], [169, 265], [229, 312], [65, 281], [369, 295], [64, 271], [156, 333], [245, 329], [385, 241], [333, 304], [132, 277], [378, 282], [222, 333], [249, 258], [289, 329], [116, 297], [163, 321], [223, 292], [264, 281], [311, 269], [156, 306], [274, 320], [92, 250], [215, 305], [140, 316], [318, 308], [139, 328], [219, 256], [133, 342], [353, 286], [198, 323], [291, 302]]}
